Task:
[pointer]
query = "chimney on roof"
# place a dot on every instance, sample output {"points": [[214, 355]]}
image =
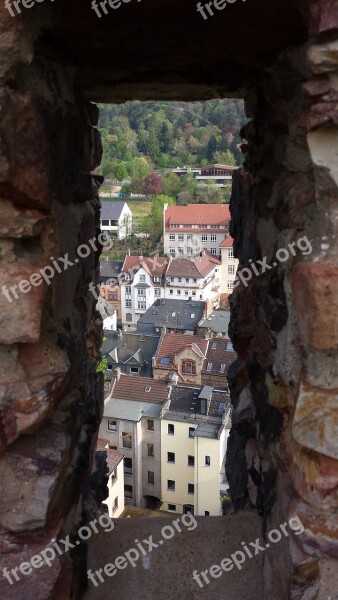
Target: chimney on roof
{"points": [[117, 374]]}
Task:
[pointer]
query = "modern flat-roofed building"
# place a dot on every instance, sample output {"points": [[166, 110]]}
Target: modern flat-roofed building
{"points": [[219, 174]]}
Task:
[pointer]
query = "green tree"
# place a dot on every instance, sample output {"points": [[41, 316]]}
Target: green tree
{"points": [[120, 171]]}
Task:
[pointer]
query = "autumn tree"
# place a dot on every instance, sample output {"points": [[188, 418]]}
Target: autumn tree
{"points": [[152, 184]]}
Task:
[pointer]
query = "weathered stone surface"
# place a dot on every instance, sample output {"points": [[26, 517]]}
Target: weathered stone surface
{"points": [[20, 318], [315, 421], [15, 223], [315, 290]]}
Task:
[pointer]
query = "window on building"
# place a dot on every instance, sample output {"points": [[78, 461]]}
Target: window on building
{"points": [[222, 368], [189, 237], [231, 285], [171, 485], [231, 269], [141, 305], [134, 370], [151, 477], [180, 251], [209, 366], [127, 440], [186, 292], [113, 476], [189, 250], [141, 293], [204, 237], [128, 289], [230, 252], [151, 450], [142, 277], [110, 296], [113, 447], [172, 237], [178, 292], [129, 317], [157, 292], [206, 513], [150, 425], [172, 507], [207, 461], [105, 222], [172, 251], [191, 461], [112, 425], [109, 366], [128, 491], [213, 237], [191, 432], [203, 407], [171, 457], [171, 429], [128, 466], [191, 488], [128, 304], [213, 251], [194, 293], [116, 503], [171, 292], [188, 367], [180, 237]]}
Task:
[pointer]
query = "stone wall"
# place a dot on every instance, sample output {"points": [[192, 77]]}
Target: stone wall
{"points": [[50, 395], [284, 322]]}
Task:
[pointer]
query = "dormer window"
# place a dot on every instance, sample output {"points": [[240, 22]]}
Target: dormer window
{"points": [[188, 367]]}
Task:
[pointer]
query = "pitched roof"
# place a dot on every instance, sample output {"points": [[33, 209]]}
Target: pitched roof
{"points": [[218, 321], [172, 314], [112, 210], [196, 267], [198, 214], [110, 268], [227, 243], [153, 265], [141, 389], [220, 352], [121, 347], [113, 456], [173, 343]]}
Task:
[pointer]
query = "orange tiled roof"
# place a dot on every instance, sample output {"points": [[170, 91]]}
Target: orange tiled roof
{"points": [[227, 243], [173, 343], [196, 267], [133, 387], [198, 214]]}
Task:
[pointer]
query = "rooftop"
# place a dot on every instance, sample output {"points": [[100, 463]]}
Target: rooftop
{"points": [[112, 210], [173, 314], [110, 268], [173, 343], [217, 321], [113, 456], [134, 348], [198, 214], [220, 356], [197, 267], [140, 389], [219, 166], [227, 243], [155, 266]]}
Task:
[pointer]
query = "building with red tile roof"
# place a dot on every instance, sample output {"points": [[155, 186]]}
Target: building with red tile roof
{"points": [[180, 357]]}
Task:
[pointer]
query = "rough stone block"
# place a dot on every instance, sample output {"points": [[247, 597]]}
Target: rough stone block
{"points": [[315, 291], [20, 318], [315, 421]]}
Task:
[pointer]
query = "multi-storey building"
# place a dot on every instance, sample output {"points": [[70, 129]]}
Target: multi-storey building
{"points": [[189, 229], [116, 218], [229, 265], [110, 289], [195, 424], [195, 278], [114, 460], [131, 424], [142, 282], [181, 355]]}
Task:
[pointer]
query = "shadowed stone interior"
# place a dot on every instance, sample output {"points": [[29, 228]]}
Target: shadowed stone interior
{"points": [[55, 61]]}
